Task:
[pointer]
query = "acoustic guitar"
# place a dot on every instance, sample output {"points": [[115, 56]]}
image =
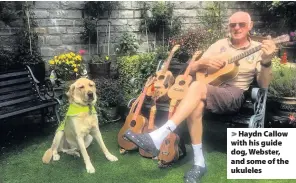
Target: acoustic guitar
{"points": [[164, 77], [150, 127], [134, 121], [231, 68]]}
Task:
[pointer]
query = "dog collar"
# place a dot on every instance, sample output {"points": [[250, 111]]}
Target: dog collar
{"points": [[74, 110]]}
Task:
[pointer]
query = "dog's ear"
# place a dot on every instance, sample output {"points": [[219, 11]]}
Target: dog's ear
{"points": [[71, 92]]}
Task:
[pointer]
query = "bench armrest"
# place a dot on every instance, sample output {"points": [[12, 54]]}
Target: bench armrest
{"points": [[259, 97], [43, 88]]}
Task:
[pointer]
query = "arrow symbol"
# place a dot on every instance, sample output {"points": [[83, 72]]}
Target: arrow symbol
{"points": [[233, 133]]}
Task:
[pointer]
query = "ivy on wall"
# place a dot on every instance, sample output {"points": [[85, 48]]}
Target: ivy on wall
{"points": [[25, 50]]}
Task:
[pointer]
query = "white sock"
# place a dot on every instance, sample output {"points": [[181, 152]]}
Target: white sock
{"points": [[160, 134], [198, 155]]}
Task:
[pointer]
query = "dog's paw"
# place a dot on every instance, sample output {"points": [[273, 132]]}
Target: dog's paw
{"points": [[110, 157], [56, 157], [76, 154], [90, 168]]}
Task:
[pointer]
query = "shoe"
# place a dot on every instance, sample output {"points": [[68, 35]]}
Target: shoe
{"points": [[143, 141], [194, 174]]}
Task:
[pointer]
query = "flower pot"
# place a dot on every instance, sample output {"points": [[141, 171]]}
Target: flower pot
{"points": [[282, 106], [112, 112], [279, 111], [99, 69]]}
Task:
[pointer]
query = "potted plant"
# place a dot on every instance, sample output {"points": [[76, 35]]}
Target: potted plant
{"points": [[109, 98], [99, 66], [282, 89], [67, 66]]}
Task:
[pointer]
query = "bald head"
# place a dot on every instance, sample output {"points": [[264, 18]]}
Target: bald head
{"points": [[240, 16]]}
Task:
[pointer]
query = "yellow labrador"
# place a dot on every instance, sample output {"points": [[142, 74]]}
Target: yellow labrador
{"points": [[79, 127]]}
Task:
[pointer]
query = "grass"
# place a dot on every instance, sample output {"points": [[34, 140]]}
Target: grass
{"points": [[20, 162]]}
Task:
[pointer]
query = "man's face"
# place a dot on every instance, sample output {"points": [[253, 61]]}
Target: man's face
{"points": [[239, 26]]}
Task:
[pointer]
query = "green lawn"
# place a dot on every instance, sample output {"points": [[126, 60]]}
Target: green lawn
{"points": [[22, 163]]}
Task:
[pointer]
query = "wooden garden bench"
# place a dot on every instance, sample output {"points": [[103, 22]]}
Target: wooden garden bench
{"points": [[21, 92]]}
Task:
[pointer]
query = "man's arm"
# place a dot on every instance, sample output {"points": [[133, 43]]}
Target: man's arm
{"points": [[264, 76]]}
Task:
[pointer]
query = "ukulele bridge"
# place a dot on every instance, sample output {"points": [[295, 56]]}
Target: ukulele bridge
{"points": [[166, 153]]}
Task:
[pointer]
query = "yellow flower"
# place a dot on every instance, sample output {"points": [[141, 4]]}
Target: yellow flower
{"points": [[107, 57], [74, 65], [72, 54], [75, 70], [55, 57], [51, 62], [79, 58]]}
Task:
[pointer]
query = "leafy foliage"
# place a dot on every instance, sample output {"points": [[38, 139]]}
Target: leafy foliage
{"points": [[274, 11], [128, 44], [94, 10], [284, 79], [133, 72], [108, 91], [10, 11], [27, 41], [7, 59], [190, 40], [159, 18], [212, 18]]}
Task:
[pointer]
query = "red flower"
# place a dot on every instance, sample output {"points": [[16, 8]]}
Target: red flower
{"points": [[292, 118], [82, 52]]}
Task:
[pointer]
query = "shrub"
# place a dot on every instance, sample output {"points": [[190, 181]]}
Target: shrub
{"points": [[283, 83], [133, 72]]}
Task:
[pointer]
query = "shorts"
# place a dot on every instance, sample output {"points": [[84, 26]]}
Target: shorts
{"points": [[224, 99]]}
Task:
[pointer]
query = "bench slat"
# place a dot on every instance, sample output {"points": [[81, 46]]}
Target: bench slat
{"points": [[15, 95], [14, 81], [13, 74], [15, 88], [11, 102], [27, 109]]}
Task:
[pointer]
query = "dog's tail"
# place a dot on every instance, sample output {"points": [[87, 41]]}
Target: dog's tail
{"points": [[47, 156]]}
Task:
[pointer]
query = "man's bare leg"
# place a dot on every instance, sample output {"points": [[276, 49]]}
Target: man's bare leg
{"points": [[195, 96], [151, 142]]}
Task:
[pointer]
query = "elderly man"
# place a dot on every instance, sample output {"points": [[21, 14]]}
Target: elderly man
{"points": [[225, 98]]}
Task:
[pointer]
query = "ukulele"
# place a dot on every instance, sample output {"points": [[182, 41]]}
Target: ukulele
{"points": [[150, 127], [231, 68], [181, 85], [169, 150], [164, 77], [134, 121]]}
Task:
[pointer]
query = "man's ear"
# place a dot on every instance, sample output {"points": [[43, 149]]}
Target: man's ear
{"points": [[251, 24], [71, 92]]}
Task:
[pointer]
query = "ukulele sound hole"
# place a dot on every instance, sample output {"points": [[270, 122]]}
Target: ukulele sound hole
{"points": [[181, 83], [133, 123], [161, 77], [167, 142]]}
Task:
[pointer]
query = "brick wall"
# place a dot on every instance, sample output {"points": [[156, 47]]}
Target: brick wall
{"points": [[60, 24]]}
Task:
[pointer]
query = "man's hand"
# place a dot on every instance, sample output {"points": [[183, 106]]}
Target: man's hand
{"points": [[268, 48], [213, 63]]}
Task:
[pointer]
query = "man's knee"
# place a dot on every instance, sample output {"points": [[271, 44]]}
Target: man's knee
{"points": [[199, 88], [197, 112]]}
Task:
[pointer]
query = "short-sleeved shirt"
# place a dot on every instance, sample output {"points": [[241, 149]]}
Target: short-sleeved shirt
{"points": [[249, 66]]}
